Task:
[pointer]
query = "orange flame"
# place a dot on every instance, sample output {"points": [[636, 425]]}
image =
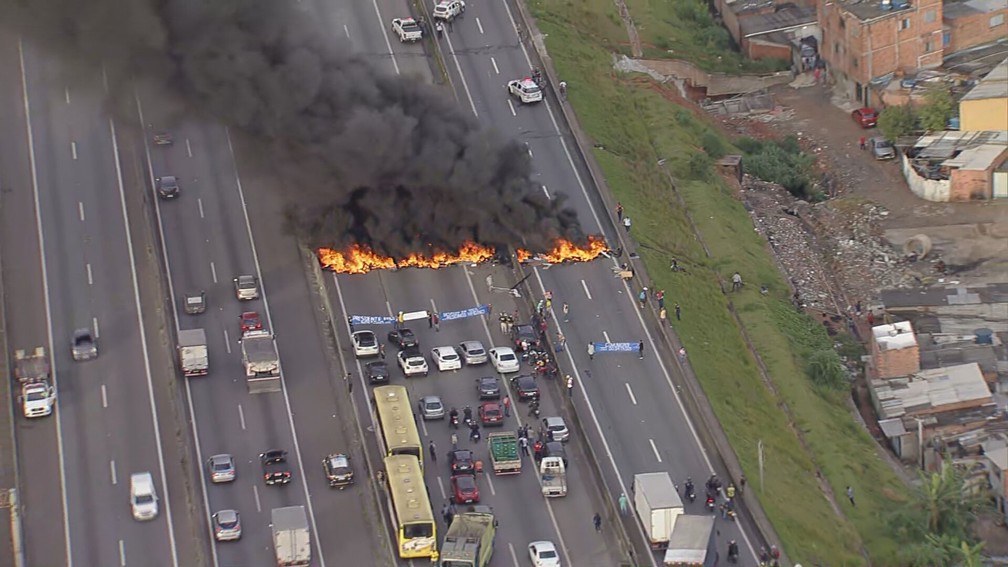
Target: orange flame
{"points": [[360, 259]]}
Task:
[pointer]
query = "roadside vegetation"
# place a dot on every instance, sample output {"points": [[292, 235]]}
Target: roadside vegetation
{"points": [[934, 115], [813, 448]]}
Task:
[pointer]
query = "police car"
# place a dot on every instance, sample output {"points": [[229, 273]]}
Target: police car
{"points": [[526, 90]]}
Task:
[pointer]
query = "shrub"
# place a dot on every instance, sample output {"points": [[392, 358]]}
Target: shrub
{"points": [[825, 369], [936, 113], [790, 170], [713, 145], [897, 121]]}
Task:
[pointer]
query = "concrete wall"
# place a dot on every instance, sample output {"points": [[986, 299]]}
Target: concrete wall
{"points": [[983, 115], [938, 191], [971, 30]]}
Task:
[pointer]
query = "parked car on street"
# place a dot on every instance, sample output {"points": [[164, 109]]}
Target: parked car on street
{"points": [[881, 148], [865, 117]]}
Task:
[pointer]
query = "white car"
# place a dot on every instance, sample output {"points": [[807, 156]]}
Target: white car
{"points": [[544, 554], [143, 496], [407, 29], [448, 9], [227, 525], [365, 343], [446, 358], [525, 90], [412, 362], [505, 360]]}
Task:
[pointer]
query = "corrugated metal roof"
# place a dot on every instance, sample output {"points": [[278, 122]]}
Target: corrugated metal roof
{"points": [[994, 85]]}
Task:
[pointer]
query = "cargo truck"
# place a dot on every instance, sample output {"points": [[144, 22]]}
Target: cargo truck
{"points": [[194, 359], [658, 505], [291, 537], [553, 474], [470, 539], [32, 371], [692, 543], [262, 363], [504, 452]]}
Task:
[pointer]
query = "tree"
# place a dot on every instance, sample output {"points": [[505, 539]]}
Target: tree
{"points": [[825, 369], [897, 121], [937, 110]]}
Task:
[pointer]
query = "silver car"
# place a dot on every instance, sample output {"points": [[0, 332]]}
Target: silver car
{"points": [[431, 407], [221, 468], [473, 353], [882, 148], [227, 525], [557, 427], [83, 345]]}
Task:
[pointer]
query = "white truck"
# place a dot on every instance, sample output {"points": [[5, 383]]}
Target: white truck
{"points": [[407, 29], [658, 505], [553, 474], [291, 536], [448, 10], [692, 543], [194, 359], [262, 363], [32, 371]]}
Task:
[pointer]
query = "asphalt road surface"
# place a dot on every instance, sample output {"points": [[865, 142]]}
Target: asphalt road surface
{"points": [[76, 464], [632, 401]]}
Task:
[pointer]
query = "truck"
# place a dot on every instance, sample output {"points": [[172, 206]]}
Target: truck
{"points": [[291, 537], [407, 29], [553, 474], [469, 541], [194, 358], [262, 363], [504, 452], [32, 370], [692, 543], [657, 504]]}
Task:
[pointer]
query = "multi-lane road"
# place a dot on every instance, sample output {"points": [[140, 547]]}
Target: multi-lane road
{"points": [[80, 233]]}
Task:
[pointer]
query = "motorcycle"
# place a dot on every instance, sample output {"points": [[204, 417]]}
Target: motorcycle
{"points": [[467, 413], [710, 503], [733, 552], [690, 493], [453, 421]]}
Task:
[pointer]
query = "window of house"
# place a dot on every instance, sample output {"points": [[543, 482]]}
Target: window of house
{"points": [[904, 24], [836, 47], [928, 47], [843, 24], [854, 62], [997, 20], [929, 16], [946, 38]]}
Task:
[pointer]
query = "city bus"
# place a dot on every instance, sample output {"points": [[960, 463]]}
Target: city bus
{"points": [[411, 509], [398, 426]]}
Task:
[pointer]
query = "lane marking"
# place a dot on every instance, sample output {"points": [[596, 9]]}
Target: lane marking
{"points": [[112, 469], [90, 276], [104, 80], [241, 417], [143, 344], [511, 106], [423, 426], [480, 26], [514, 556], [655, 449], [104, 399], [48, 303], [188, 147], [493, 490], [633, 399], [122, 554], [585, 286], [213, 271], [545, 190], [494, 62], [255, 494], [458, 68], [606, 335], [346, 30], [73, 149], [388, 43], [80, 210], [227, 341], [94, 321], [66, 93], [440, 484], [199, 203]]}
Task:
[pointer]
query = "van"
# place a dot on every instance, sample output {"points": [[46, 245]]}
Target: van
{"points": [[143, 496]]}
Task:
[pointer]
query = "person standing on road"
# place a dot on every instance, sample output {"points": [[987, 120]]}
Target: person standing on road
{"points": [[523, 443], [591, 351], [570, 385], [624, 504], [433, 452], [507, 406], [349, 383], [662, 315], [640, 349], [437, 322], [660, 296], [381, 350], [642, 297], [454, 440], [561, 342], [619, 211], [626, 224], [682, 354], [349, 322], [863, 143], [566, 312], [597, 520]]}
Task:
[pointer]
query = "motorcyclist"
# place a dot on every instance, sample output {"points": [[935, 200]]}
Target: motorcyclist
{"points": [[453, 417], [534, 407], [730, 490], [474, 432], [733, 550], [467, 415], [690, 489]]}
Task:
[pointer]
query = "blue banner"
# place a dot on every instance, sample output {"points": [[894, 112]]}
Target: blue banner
{"points": [[615, 347], [371, 320], [471, 312]]}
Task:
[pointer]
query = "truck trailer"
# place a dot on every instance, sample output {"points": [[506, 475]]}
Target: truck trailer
{"points": [[291, 536], [262, 363], [658, 504], [692, 543], [470, 539], [32, 371], [553, 474], [504, 452], [194, 358]]}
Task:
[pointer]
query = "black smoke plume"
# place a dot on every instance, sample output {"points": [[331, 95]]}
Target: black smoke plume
{"points": [[363, 156]]}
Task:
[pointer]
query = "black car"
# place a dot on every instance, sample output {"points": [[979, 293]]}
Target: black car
{"points": [[488, 388], [403, 338], [338, 471], [526, 387], [377, 371], [524, 334], [461, 461], [167, 187], [556, 449], [274, 466]]}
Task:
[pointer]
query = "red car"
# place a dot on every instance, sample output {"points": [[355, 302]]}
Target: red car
{"points": [[865, 117], [464, 489], [250, 321], [491, 413]]}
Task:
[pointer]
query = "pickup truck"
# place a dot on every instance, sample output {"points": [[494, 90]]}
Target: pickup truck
{"points": [[32, 371], [553, 474], [407, 29], [448, 10], [504, 452]]}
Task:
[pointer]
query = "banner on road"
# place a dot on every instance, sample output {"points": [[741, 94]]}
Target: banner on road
{"points": [[615, 347], [471, 312], [371, 320]]}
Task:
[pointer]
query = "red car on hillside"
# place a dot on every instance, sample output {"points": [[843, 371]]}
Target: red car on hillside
{"points": [[865, 117]]}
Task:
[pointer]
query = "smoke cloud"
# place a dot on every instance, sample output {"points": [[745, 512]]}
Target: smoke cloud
{"points": [[364, 157]]}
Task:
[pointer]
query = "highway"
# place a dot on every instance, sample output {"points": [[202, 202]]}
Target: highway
{"points": [[67, 206], [632, 402]]}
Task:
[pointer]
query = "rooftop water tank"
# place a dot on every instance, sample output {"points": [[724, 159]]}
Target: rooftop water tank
{"points": [[984, 336]]}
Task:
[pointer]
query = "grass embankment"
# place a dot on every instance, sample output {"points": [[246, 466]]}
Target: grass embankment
{"points": [[637, 125]]}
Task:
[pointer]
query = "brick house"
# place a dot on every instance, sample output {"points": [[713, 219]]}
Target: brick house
{"points": [[970, 23], [894, 350]]}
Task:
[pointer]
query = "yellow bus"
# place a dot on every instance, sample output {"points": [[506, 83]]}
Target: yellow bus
{"points": [[398, 426], [411, 509]]}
